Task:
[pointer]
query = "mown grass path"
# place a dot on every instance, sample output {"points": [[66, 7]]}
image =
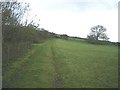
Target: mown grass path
{"points": [[64, 64], [34, 70], [58, 81]]}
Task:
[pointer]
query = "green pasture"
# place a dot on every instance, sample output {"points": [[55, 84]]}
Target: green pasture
{"points": [[65, 63]]}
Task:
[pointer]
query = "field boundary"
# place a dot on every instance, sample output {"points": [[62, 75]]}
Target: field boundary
{"points": [[18, 70]]}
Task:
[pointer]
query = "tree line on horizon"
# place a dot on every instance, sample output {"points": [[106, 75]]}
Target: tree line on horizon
{"points": [[18, 36]]}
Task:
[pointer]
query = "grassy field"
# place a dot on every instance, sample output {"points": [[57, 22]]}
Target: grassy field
{"points": [[65, 63]]}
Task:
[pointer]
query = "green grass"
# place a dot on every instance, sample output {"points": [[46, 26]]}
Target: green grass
{"points": [[86, 65], [79, 65]]}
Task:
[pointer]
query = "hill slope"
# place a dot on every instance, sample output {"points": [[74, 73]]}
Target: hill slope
{"points": [[64, 63]]}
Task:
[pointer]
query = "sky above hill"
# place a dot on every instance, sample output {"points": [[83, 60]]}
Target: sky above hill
{"points": [[76, 17]]}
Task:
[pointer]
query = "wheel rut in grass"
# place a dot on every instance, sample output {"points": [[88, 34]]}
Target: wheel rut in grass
{"points": [[58, 81]]}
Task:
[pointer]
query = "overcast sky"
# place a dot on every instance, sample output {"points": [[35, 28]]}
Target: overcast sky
{"points": [[76, 17]]}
